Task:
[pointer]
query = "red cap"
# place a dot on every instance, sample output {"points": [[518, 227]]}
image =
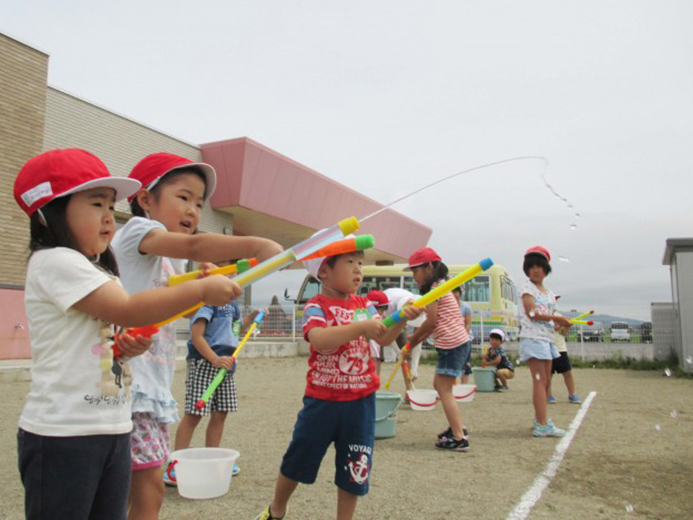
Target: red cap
{"points": [[57, 173], [378, 298], [154, 166], [422, 256], [538, 250]]}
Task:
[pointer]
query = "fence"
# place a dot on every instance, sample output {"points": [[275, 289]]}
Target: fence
{"points": [[636, 335]]}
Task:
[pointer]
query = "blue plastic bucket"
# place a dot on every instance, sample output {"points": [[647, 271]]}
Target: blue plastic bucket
{"points": [[485, 379], [386, 406]]}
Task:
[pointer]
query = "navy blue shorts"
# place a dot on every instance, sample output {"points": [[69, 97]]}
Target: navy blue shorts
{"points": [[350, 425], [74, 477], [451, 361]]}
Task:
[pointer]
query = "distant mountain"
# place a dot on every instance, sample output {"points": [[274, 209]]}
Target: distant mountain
{"points": [[605, 319]]}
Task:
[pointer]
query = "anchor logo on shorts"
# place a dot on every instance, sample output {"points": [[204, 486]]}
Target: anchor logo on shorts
{"points": [[359, 469]]}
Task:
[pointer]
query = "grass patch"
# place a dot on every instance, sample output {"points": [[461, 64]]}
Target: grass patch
{"points": [[617, 361]]}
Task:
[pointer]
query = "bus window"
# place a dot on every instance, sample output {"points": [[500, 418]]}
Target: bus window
{"points": [[311, 287], [477, 289], [410, 285], [378, 283]]}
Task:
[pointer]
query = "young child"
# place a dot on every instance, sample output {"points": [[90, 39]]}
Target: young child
{"points": [[444, 320], [387, 303], [496, 357], [561, 365], [466, 310], [537, 320], [74, 432], [339, 401], [155, 244], [380, 302], [214, 337]]}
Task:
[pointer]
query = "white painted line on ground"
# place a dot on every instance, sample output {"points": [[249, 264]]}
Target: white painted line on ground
{"points": [[533, 494]]}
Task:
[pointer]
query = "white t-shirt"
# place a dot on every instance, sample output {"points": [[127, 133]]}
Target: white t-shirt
{"points": [[153, 370], [559, 339], [544, 303], [395, 295], [76, 389]]}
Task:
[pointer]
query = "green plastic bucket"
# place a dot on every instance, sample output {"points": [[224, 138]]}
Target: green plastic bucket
{"points": [[485, 379], [386, 406]]}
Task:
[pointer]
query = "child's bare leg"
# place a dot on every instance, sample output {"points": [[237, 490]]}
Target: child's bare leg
{"points": [[502, 378], [146, 494], [346, 504], [538, 371], [443, 384], [548, 390], [464, 379], [414, 365], [215, 429], [569, 382], [282, 493], [185, 431]]}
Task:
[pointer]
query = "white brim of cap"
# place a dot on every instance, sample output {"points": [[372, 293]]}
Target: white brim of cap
{"points": [[209, 173], [123, 186], [498, 332]]}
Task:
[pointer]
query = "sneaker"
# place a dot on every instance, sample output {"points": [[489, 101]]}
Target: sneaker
{"points": [[551, 400], [236, 470], [505, 388], [501, 388], [267, 515], [549, 430], [574, 399], [170, 474], [448, 433], [450, 443]]}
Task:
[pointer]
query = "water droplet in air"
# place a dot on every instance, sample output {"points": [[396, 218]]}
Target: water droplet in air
{"points": [[689, 360], [517, 361], [674, 414], [577, 215], [573, 227], [564, 259], [537, 376], [667, 372], [658, 427], [629, 508]]}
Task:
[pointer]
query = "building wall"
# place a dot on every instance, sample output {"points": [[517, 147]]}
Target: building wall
{"points": [[22, 108], [684, 288], [118, 141]]}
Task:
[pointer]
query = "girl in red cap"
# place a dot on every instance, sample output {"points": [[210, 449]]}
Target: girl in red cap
{"points": [[537, 321], [155, 244], [444, 320], [74, 431]]}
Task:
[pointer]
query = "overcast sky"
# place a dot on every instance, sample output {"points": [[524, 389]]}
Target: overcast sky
{"points": [[386, 96]]}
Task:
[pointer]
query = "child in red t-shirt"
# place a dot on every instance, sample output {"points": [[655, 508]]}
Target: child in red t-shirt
{"points": [[339, 401]]}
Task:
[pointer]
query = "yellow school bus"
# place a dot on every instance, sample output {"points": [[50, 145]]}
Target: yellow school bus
{"points": [[492, 295]]}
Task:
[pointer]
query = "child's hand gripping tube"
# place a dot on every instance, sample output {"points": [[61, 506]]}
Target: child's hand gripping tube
{"points": [[239, 267], [284, 259], [441, 290], [202, 401], [146, 332]]}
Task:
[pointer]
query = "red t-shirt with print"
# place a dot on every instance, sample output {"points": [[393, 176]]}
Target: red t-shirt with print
{"points": [[348, 372]]}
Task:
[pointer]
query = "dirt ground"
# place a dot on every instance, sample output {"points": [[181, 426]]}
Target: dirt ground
{"points": [[631, 458]]}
